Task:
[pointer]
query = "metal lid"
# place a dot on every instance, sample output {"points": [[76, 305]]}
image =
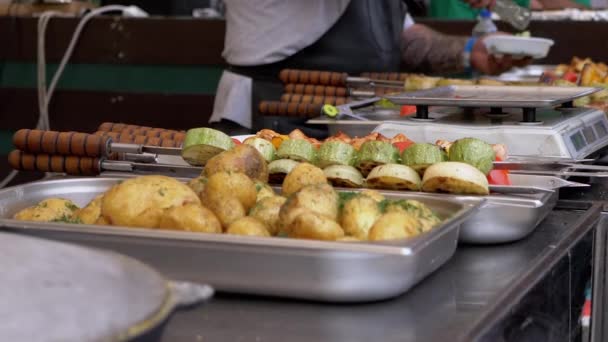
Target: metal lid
{"points": [[54, 291]]}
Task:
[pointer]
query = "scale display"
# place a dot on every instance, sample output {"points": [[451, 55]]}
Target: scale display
{"points": [[584, 140]]}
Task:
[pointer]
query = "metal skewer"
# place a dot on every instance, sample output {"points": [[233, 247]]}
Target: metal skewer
{"points": [[90, 166], [561, 173], [545, 166]]}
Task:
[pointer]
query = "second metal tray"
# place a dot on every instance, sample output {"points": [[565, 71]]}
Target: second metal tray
{"points": [[510, 218], [315, 270]]}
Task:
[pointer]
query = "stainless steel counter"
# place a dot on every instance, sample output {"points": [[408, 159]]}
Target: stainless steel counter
{"points": [[471, 297]]}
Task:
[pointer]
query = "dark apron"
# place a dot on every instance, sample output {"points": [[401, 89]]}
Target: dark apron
{"points": [[365, 38]]}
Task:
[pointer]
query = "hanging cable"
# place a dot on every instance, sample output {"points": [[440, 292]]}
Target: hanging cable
{"points": [[45, 94]]}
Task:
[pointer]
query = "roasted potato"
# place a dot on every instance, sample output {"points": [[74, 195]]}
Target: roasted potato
{"points": [[91, 213], [231, 184], [248, 226], [374, 194], [49, 210], [302, 175], [102, 221], [311, 225], [141, 201], [242, 158], [359, 215], [394, 225], [227, 209], [267, 211], [264, 190], [348, 239], [321, 199], [191, 218], [424, 214], [198, 185]]}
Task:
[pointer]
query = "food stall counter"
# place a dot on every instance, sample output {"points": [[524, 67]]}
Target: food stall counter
{"points": [[483, 293]]}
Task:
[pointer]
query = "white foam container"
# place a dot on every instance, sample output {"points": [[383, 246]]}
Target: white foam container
{"points": [[518, 46]]}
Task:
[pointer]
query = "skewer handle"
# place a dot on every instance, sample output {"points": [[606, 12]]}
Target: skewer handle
{"points": [[389, 76], [142, 130], [117, 127], [302, 110], [72, 165], [62, 143], [314, 99], [328, 78], [139, 139], [320, 90], [157, 133]]}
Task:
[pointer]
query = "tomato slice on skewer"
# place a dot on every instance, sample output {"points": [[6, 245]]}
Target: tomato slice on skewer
{"points": [[407, 110], [499, 177], [402, 145]]}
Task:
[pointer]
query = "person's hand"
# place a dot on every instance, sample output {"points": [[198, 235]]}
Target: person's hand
{"points": [[480, 3], [483, 61]]}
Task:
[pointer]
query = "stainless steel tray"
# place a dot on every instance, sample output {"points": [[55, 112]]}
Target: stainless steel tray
{"points": [[493, 96], [510, 218], [315, 270]]}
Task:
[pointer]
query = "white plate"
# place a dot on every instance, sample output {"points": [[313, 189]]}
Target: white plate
{"points": [[518, 46]]}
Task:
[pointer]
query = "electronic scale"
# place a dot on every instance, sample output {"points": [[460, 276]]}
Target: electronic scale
{"points": [[529, 120]]}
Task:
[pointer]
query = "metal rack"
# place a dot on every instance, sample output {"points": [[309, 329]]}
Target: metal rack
{"points": [[527, 98]]}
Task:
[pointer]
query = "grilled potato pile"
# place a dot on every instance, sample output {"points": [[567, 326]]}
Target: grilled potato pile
{"points": [[231, 199]]}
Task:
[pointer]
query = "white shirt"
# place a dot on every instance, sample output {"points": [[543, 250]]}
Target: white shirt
{"points": [[267, 31]]}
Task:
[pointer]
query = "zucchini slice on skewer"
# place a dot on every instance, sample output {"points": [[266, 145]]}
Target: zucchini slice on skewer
{"points": [[421, 156], [375, 153], [394, 177], [456, 178], [265, 147], [344, 176], [298, 150], [278, 169], [336, 153], [201, 144]]}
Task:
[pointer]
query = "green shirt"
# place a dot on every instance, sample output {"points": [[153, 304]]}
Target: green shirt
{"points": [[456, 9]]}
